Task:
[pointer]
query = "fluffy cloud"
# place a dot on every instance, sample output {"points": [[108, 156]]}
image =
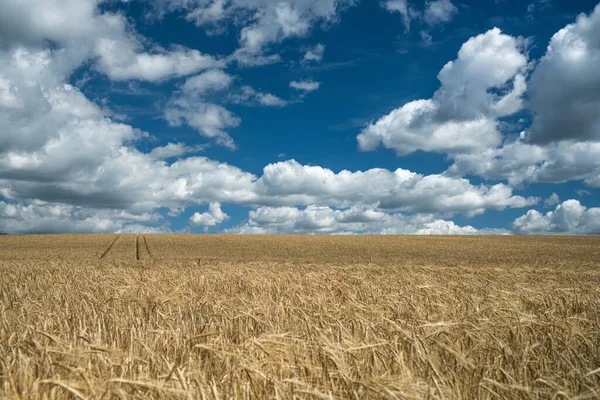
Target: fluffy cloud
{"points": [[41, 218], [207, 82], [194, 104], [436, 12], [439, 11], [124, 61], [249, 96], [276, 21], [85, 32], [56, 146], [553, 200], [59, 147], [462, 115], [563, 143], [314, 54], [565, 86], [569, 217], [355, 220], [66, 161], [208, 14], [519, 162], [214, 216], [291, 183], [209, 119], [305, 86], [173, 150], [262, 23], [192, 107]]}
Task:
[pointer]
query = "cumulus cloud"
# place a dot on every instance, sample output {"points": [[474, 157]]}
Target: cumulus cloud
{"points": [[209, 14], [119, 62], [291, 183], [210, 120], [86, 33], [305, 86], [193, 107], [52, 218], [519, 161], [565, 86], [171, 150], [439, 11], [484, 83], [67, 162], [214, 216], [314, 54], [276, 21], [59, 147], [569, 217], [553, 200], [563, 143], [354, 220], [251, 97], [261, 23]]}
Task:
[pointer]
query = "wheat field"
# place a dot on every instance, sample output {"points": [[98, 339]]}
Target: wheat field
{"points": [[299, 317]]}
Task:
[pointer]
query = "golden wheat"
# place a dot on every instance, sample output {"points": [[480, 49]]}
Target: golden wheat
{"points": [[219, 317]]}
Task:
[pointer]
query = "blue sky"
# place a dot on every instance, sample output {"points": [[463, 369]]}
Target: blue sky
{"points": [[300, 116]]}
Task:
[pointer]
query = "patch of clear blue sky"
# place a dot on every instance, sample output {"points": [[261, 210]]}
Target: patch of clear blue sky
{"points": [[371, 66]]}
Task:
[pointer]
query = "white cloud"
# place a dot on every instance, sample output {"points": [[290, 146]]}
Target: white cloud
{"points": [[80, 29], [413, 127], [462, 115], [60, 149], [439, 11], [214, 216], [251, 97], [31, 22], [171, 150], [570, 218], [276, 21], [209, 14], [519, 162], [210, 81], [435, 13], [355, 220], [120, 62], [306, 86], [565, 86], [192, 107], [270, 100], [262, 23], [314, 54], [553, 200], [210, 120], [194, 104], [564, 141], [246, 59], [291, 183], [400, 6], [42, 218]]}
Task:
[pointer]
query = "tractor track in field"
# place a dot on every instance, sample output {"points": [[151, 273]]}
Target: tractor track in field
{"points": [[137, 247], [140, 244], [110, 246], [146, 246]]}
